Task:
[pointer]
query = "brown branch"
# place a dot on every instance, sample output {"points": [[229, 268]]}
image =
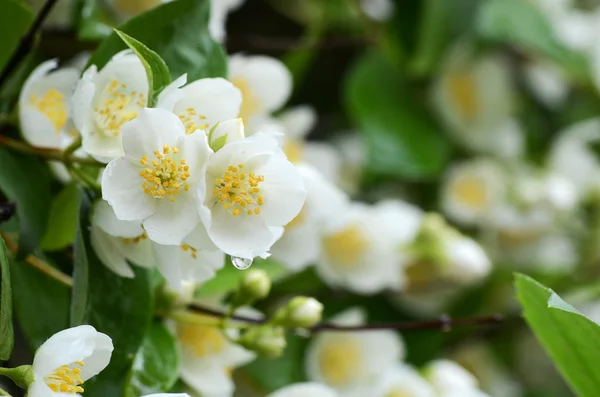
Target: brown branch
{"points": [[45, 153], [443, 323]]}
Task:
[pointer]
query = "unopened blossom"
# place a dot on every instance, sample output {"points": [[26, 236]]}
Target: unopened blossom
{"points": [[547, 83], [116, 242], [265, 83], [300, 244], [156, 180], [249, 192], [350, 362], [362, 251], [65, 361], [451, 380], [401, 380], [305, 389]]}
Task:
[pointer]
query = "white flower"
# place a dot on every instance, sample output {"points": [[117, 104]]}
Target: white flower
{"points": [[69, 358], [104, 101], [265, 83], [300, 244], [467, 261], [208, 357], [116, 242], [362, 250], [349, 361], [249, 192], [547, 83], [378, 10], [472, 190], [402, 380], [218, 16], [305, 389], [155, 181], [451, 380]]}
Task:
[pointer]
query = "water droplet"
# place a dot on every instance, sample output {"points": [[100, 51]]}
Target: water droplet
{"points": [[241, 263]]}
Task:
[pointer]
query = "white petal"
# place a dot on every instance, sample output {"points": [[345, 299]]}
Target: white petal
{"points": [[100, 357], [166, 257], [104, 217], [299, 247], [298, 121], [39, 388], [240, 152], [150, 131], [171, 94], [81, 103], [106, 248], [206, 376], [122, 188], [138, 252], [199, 239], [37, 128], [36, 75], [103, 148], [195, 150], [305, 389], [172, 221]]}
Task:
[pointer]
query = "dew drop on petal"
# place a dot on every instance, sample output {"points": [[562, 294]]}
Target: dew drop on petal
{"points": [[241, 263]]}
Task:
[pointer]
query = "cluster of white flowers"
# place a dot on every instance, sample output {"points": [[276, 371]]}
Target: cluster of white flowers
{"points": [[371, 364]]}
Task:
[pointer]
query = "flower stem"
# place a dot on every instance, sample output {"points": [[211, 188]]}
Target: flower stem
{"points": [[38, 263], [21, 375], [48, 154], [4, 393]]}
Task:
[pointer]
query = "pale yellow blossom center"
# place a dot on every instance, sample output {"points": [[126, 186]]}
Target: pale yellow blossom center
{"points": [[340, 361], [118, 105], [294, 150], [202, 340], [346, 247], [66, 379], [251, 104], [463, 92], [471, 192], [239, 192], [193, 121], [134, 240], [398, 393], [165, 175], [52, 105]]}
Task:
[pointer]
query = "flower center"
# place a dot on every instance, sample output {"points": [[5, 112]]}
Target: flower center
{"points": [[471, 192], [166, 175], [398, 393], [251, 104], [52, 105], [119, 105], [463, 92], [239, 191], [294, 150], [188, 248], [134, 240], [340, 361], [420, 273], [66, 379], [193, 121], [202, 340], [346, 247]]}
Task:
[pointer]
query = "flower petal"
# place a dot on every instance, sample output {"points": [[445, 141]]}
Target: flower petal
{"points": [[172, 221], [195, 150], [121, 187], [106, 248], [206, 376], [37, 129], [81, 103], [172, 93], [95, 363], [102, 147], [166, 257], [104, 217]]}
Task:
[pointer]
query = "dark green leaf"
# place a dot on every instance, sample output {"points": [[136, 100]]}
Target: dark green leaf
{"points": [[40, 303], [156, 365], [25, 180], [63, 219], [93, 22], [401, 139], [6, 326], [119, 307], [571, 339], [15, 19], [156, 69], [79, 293], [522, 24], [178, 32]]}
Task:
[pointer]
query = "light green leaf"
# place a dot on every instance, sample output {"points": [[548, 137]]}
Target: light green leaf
{"points": [[79, 293], [25, 180], [218, 143], [156, 365], [6, 322], [63, 219], [522, 24], [15, 19], [571, 339], [228, 278], [178, 32], [401, 139], [156, 69]]}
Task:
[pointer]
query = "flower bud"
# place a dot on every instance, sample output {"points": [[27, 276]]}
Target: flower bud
{"points": [[265, 340], [255, 285], [225, 132], [300, 312]]}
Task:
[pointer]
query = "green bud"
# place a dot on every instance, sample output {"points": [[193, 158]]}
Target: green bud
{"points": [[266, 340], [21, 375], [255, 285], [300, 312]]}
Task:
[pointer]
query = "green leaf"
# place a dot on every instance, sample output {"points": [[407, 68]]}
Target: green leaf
{"points": [[63, 219], [6, 326], [228, 278], [93, 22], [156, 69], [79, 293], [120, 307], [178, 32], [522, 24], [401, 139], [26, 181], [156, 365], [41, 303], [571, 339], [15, 19]]}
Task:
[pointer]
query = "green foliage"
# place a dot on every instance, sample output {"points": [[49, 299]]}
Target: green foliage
{"points": [[93, 22], [63, 219], [400, 138], [570, 338], [6, 322], [156, 364], [184, 22], [156, 68], [79, 293], [25, 180], [15, 18]]}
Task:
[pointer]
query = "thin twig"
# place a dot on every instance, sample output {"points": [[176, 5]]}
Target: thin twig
{"points": [[27, 41], [38, 263], [443, 323], [45, 153]]}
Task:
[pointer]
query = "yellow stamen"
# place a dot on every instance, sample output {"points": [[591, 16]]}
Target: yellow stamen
{"points": [[239, 192]]}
